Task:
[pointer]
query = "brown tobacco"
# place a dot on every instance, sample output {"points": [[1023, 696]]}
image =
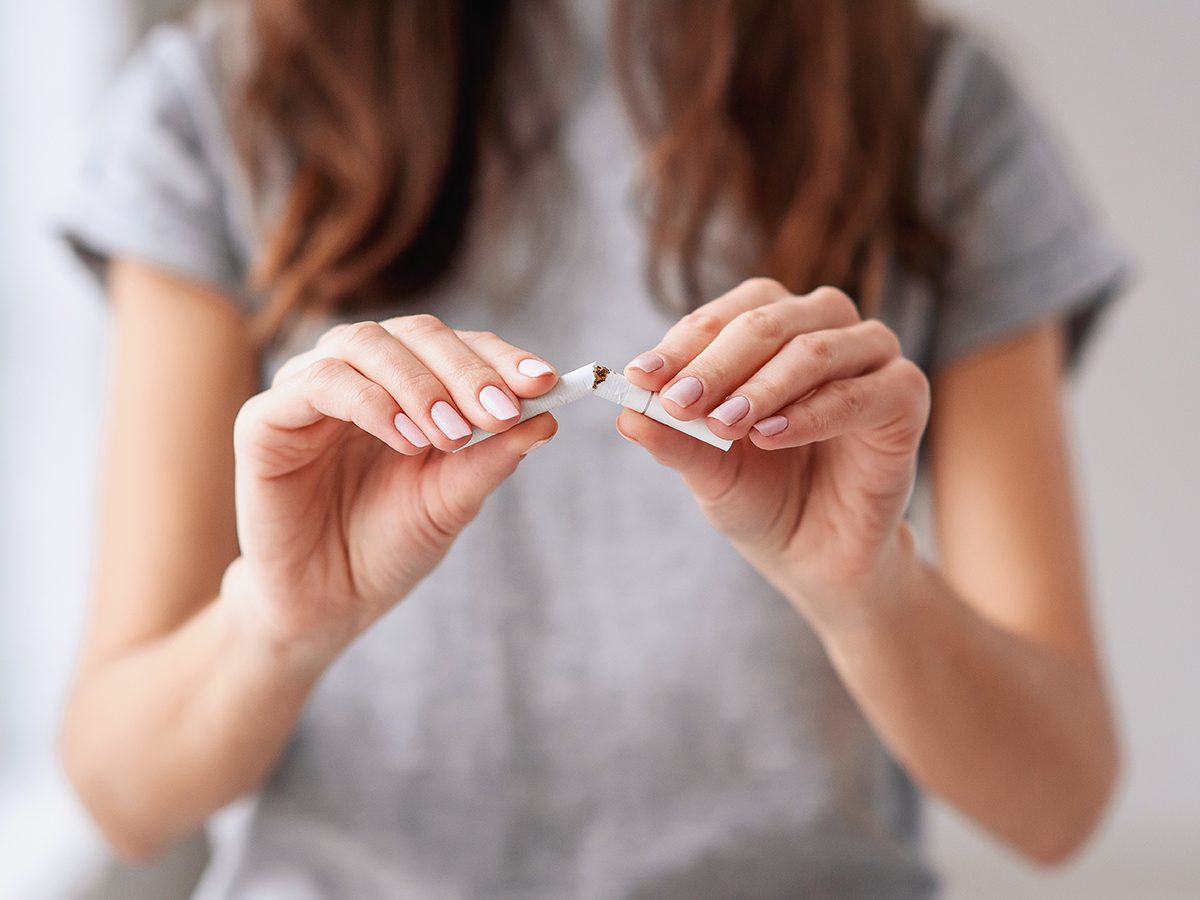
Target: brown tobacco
{"points": [[599, 373]]}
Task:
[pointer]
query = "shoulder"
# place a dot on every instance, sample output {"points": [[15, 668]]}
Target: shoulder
{"points": [[160, 180], [974, 112], [1024, 244], [180, 76], [968, 78]]}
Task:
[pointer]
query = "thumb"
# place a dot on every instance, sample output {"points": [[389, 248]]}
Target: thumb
{"points": [[465, 479], [707, 471]]}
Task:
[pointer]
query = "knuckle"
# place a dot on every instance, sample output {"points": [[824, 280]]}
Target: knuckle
{"points": [[361, 334], [711, 372], [287, 370], [808, 419], [837, 301], [849, 400], [762, 286], [766, 391], [818, 351], [371, 396], [419, 383], [878, 331], [476, 373], [827, 293], [487, 342], [422, 324], [762, 322], [704, 322], [325, 371], [333, 333]]}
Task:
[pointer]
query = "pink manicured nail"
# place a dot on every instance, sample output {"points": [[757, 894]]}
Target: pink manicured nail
{"points": [[410, 432], [496, 402], [448, 421], [731, 411], [647, 362], [685, 391], [772, 426], [533, 368]]}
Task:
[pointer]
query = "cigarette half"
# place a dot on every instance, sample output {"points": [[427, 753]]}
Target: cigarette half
{"points": [[617, 389], [573, 386]]}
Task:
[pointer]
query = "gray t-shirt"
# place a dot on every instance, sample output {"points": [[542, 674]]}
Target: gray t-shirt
{"points": [[593, 695]]}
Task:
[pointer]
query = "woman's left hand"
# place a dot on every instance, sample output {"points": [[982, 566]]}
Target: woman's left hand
{"points": [[826, 418]]}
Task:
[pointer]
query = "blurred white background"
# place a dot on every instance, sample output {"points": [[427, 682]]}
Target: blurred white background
{"points": [[1120, 84]]}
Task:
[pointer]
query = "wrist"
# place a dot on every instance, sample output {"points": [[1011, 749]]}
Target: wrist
{"points": [[250, 634], [870, 598]]}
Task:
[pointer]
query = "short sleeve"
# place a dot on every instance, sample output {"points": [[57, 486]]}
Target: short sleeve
{"points": [[1023, 246], [148, 188]]}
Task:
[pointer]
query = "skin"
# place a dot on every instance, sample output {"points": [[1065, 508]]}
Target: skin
{"points": [[999, 643], [198, 661]]}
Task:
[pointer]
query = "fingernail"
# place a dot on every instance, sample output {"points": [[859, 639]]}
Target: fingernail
{"points": [[410, 432], [685, 391], [534, 368], [731, 411], [496, 402], [537, 444], [647, 362], [448, 421], [773, 425]]}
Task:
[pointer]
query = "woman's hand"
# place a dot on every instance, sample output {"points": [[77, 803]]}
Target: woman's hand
{"points": [[347, 491], [826, 416]]}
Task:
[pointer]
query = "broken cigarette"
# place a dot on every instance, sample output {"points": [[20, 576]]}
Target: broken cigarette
{"points": [[604, 382], [617, 389], [573, 386]]}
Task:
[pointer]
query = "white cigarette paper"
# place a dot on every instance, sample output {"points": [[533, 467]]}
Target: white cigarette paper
{"points": [[617, 389], [573, 386]]}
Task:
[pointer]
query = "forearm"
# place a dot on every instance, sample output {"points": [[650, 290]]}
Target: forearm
{"points": [[1014, 734], [161, 736]]}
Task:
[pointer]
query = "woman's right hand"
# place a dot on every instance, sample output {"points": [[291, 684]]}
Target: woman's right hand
{"points": [[347, 491]]}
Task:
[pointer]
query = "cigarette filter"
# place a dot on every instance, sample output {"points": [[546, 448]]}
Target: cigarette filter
{"points": [[571, 387], [616, 388]]}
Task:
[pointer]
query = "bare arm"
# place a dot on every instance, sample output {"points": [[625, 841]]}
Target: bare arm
{"points": [[982, 681], [223, 591], [171, 715]]}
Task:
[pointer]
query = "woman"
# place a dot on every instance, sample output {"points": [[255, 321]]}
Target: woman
{"points": [[591, 687]]}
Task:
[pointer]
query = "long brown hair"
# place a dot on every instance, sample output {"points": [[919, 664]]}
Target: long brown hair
{"points": [[796, 121]]}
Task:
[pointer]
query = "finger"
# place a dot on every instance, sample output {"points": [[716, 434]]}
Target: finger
{"points": [[515, 442], [301, 361], [526, 374], [296, 365], [478, 390], [465, 479], [669, 447], [893, 400], [752, 339], [382, 358], [697, 330], [805, 363], [330, 388]]}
